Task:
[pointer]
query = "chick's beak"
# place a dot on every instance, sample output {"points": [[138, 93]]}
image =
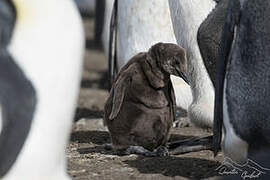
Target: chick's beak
{"points": [[183, 76]]}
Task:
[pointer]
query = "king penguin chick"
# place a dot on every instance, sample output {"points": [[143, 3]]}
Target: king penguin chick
{"points": [[41, 50], [141, 106]]}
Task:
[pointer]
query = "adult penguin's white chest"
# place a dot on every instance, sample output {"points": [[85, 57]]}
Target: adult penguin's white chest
{"points": [[46, 37], [142, 24], [47, 44]]}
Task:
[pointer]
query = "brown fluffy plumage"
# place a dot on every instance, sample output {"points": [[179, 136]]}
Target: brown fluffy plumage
{"points": [[141, 107]]}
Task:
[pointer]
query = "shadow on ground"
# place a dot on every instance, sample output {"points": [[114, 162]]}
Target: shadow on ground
{"points": [[95, 137], [176, 166]]}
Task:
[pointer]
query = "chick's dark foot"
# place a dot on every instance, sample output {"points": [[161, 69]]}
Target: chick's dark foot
{"points": [[136, 150], [160, 151]]}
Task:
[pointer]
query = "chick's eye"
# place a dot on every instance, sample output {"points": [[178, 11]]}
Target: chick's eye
{"points": [[174, 61]]}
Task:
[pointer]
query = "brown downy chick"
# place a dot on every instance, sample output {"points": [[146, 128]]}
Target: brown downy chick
{"points": [[140, 109]]}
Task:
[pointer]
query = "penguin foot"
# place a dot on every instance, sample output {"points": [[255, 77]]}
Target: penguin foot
{"points": [[190, 145], [136, 150], [160, 151]]}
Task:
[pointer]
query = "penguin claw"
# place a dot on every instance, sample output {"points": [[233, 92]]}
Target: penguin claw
{"points": [[190, 145]]}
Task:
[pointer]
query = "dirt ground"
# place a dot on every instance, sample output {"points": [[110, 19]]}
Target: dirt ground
{"points": [[87, 159]]}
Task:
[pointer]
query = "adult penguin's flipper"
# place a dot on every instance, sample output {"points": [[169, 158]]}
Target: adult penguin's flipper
{"points": [[232, 18], [18, 102]]}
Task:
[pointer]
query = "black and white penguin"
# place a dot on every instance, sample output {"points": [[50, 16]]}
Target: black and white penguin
{"points": [[242, 87], [41, 50]]}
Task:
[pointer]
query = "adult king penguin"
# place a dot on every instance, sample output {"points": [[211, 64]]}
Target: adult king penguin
{"points": [[41, 48], [242, 91]]}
